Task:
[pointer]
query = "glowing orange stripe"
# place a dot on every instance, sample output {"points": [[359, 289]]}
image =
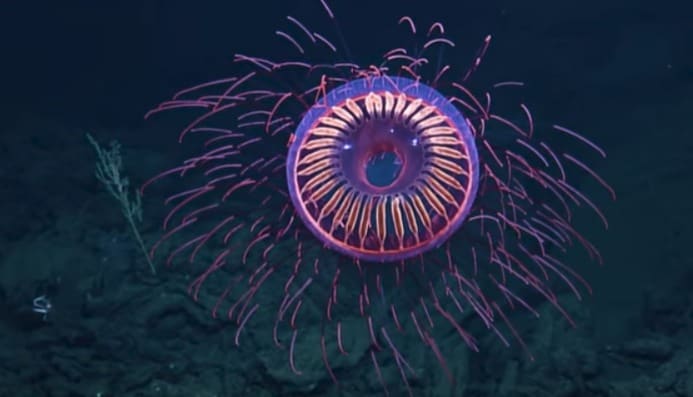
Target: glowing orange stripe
{"points": [[317, 155], [316, 180], [411, 219], [433, 201], [320, 143], [380, 226], [397, 220], [327, 132], [423, 213], [365, 222], [445, 151], [323, 190], [448, 165], [353, 215], [446, 178], [332, 203], [442, 192], [341, 210]]}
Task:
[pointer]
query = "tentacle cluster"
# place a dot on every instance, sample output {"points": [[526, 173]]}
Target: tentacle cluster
{"points": [[510, 244]]}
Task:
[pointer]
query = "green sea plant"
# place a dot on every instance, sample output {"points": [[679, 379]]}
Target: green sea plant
{"points": [[109, 171]]}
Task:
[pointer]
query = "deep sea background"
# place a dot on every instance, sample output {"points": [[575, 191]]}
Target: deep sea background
{"points": [[620, 71]]}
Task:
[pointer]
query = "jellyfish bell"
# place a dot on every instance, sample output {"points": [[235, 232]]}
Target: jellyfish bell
{"points": [[333, 159]]}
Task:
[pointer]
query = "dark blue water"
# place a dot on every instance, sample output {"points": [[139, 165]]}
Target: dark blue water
{"points": [[83, 314]]}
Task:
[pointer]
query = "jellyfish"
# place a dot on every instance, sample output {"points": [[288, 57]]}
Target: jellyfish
{"points": [[373, 205]]}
